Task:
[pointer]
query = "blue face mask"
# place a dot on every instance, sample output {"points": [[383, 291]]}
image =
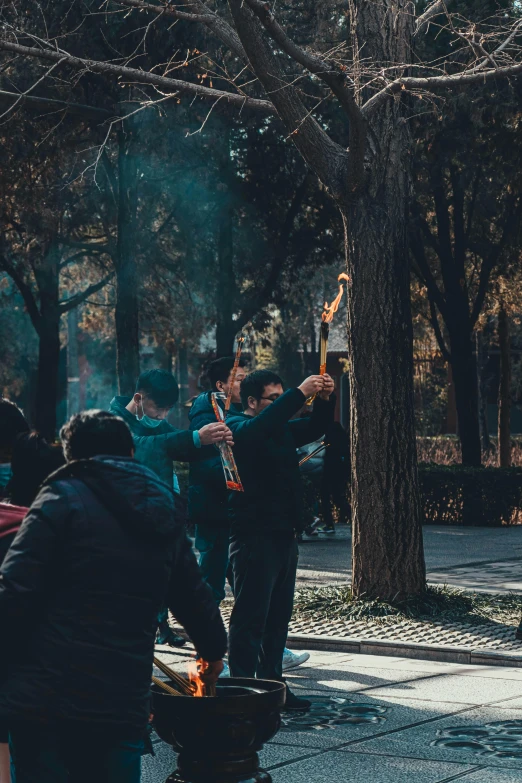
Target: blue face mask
{"points": [[5, 473], [146, 420]]}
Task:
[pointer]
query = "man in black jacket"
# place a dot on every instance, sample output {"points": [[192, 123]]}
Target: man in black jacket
{"points": [[267, 516], [207, 487], [96, 556]]}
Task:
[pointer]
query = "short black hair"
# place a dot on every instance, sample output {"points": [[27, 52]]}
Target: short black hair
{"points": [[93, 433], [254, 385], [220, 369], [12, 422], [160, 386]]}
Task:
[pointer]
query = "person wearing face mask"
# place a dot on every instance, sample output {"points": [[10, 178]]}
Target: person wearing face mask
{"points": [[157, 444]]}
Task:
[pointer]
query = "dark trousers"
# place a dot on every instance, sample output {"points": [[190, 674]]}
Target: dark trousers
{"points": [[264, 568], [212, 544], [67, 756]]}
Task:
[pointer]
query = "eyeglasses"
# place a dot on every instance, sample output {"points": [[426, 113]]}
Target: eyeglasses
{"points": [[271, 398]]}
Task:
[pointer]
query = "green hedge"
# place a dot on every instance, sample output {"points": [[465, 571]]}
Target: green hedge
{"points": [[457, 495]]}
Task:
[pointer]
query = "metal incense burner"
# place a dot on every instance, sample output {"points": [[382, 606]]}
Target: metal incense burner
{"points": [[218, 738]]}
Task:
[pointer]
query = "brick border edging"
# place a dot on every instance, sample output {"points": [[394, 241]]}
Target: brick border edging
{"points": [[426, 652]]}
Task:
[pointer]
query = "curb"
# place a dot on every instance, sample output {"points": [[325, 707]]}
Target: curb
{"points": [[422, 652]]}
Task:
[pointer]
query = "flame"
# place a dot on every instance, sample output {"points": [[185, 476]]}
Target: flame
{"points": [[330, 310], [196, 673]]}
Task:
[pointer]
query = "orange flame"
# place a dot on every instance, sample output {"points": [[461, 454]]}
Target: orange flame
{"points": [[330, 310], [196, 673]]}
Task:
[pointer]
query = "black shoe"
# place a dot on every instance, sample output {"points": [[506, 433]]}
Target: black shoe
{"points": [[518, 634], [165, 635], [295, 703]]}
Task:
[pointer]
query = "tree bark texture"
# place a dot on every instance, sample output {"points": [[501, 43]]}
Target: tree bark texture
{"points": [[127, 301], [47, 279], [504, 391], [482, 392], [388, 557], [464, 370]]}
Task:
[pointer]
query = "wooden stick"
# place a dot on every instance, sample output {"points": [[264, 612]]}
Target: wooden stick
{"points": [[165, 687], [240, 341], [183, 683]]}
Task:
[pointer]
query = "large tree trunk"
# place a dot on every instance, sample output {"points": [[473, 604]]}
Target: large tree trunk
{"points": [[388, 557], [47, 279], [127, 303], [464, 369], [504, 391], [47, 385], [482, 392]]}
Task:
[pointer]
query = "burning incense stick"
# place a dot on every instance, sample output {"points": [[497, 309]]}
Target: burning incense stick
{"points": [[314, 452], [165, 687], [197, 671], [240, 341], [182, 682], [225, 451], [326, 320]]}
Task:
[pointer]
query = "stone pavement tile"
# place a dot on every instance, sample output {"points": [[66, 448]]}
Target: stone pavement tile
{"points": [[414, 665], [391, 714], [474, 728], [156, 769], [454, 688], [344, 677], [335, 767], [273, 754], [489, 775]]}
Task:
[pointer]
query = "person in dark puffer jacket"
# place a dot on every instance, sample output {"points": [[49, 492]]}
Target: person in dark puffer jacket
{"points": [[96, 556]]}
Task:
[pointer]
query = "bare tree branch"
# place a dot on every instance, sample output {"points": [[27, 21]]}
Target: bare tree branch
{"points": [[327, 158], [136, 76], [204, 15], [336, 78], [81, 296], [430, 13], [36, 102], [437, 82]]}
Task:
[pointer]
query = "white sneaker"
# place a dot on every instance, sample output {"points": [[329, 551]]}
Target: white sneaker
{"points": [[292, 659], [226, 670]]}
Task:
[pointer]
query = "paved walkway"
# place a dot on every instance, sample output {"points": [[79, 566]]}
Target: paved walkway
{"points": [[390, 720], [483, 559]]}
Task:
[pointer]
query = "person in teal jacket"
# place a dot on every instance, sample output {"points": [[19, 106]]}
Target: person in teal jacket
{"points": [[158, 444]]}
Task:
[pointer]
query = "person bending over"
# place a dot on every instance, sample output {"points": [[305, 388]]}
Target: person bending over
{"points": [[267, 517], [99, 551]]}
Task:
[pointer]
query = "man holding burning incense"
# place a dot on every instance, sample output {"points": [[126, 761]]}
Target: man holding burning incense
{"points": [[267, 517], [101, 547]]}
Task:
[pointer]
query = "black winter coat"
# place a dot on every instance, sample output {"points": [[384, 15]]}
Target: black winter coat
{"points": [[90, 586], [268, 464]]}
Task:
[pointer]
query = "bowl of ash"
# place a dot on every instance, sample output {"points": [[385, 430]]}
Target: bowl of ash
{"points": [[218, 737]]}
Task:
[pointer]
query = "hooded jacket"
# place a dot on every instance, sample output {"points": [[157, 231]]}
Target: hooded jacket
{"points": [[157, 447], [94, 559], [268, 463], [207, 498]]}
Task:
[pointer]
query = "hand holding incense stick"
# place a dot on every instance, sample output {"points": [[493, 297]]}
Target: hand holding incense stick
{"points": [[225, 451], [326, 320]]}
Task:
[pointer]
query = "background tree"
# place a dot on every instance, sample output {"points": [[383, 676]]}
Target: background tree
{"points": [[367, 170]]}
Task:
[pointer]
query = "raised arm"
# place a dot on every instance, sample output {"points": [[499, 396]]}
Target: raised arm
{"points": [[308, 430]]}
